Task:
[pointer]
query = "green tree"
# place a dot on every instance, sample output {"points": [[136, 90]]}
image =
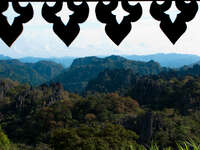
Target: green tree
{"points": [[4, 141]]}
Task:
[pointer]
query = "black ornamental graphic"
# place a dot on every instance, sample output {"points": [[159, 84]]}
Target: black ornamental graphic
{"points": [[115, 31]]}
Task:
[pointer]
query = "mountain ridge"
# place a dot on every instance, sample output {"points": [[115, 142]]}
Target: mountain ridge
{"points": [[172, 60], [76, 77], [32, 73]]}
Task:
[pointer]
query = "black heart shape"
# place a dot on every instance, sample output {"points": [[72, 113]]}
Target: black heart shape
{"points": [[66, 32], [173, 30], [117, 32], [9, 33]]}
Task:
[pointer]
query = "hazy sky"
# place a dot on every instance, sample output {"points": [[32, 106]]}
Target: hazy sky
{"points": [[146, 37]]}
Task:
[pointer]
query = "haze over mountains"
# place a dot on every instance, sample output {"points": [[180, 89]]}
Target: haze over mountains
{"points": [[172, 60], [64, 61]]}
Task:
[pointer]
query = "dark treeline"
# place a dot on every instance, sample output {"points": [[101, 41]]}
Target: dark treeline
{"points": [[118, 110], [170, 89]]}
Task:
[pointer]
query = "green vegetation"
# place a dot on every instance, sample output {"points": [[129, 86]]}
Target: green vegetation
{"points": [[82, 70], [48, 117], [4, 141], [32, 73], [120, 109]]}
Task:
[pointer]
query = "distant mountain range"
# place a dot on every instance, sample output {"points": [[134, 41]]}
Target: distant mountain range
{"points": [[74, 78], [77, 73], [32, 73], [64, 61], [82, 70], [2, 57], [171, 60]]}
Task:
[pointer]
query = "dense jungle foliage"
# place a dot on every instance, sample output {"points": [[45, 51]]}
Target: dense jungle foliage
{"points": [[155, 108], [133, 106]]}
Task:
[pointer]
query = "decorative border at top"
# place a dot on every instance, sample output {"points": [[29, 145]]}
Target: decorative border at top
{"points": [[116, 31]]}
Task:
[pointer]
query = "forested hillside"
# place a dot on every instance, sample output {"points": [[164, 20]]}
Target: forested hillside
{"points": [[74, 78], [126, 105], [82, 70], [120, 80], [141, 109], [116, 80], [174, 88], [32, 73]]}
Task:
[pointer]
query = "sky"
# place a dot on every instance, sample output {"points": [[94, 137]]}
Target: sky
{"points": [[146, 37]]}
